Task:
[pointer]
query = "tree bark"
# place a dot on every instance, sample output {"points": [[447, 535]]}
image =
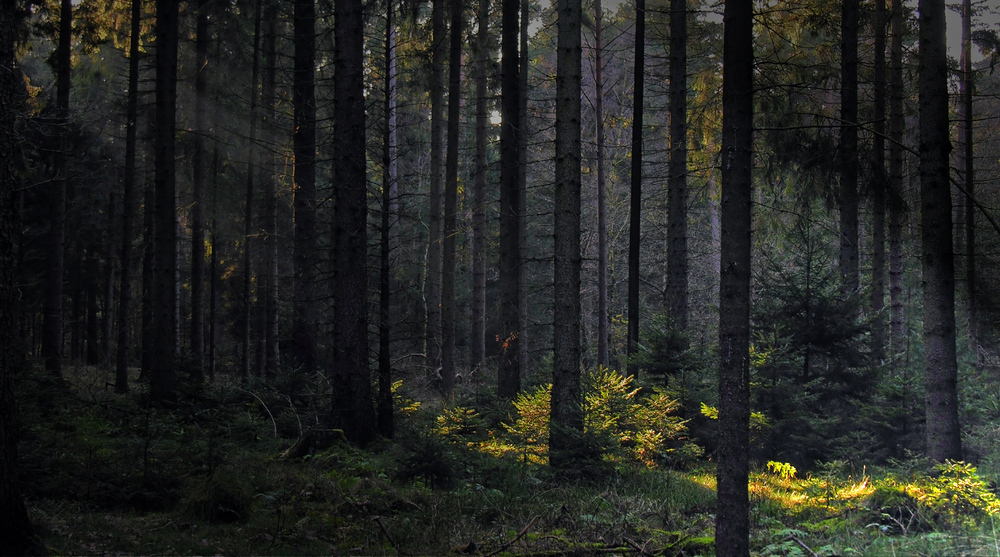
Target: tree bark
{"points": [[352, 398], [52, 328], [602, 210], [511, 206], [941, 368], [202, 39], [478, 324], [732, 524], [304, 204], [897, 333], [635, 194], [677, 253], [128, 200], [968, 173], [247, 309], [17, 535], [432, 285], [849, 148], [878, 191], [162, 369], [386, 422], [567, 414], [451, 200], [269, 180]]}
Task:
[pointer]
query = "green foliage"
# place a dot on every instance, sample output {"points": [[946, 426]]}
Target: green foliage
{"points": [[958, 493], [783, 469], [623, 422], [224, 497]]}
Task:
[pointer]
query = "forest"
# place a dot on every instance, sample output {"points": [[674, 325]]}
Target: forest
{"points": [[500, 277]]}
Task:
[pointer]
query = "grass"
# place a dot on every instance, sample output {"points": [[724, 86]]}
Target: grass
{"points": [[105, 474]]}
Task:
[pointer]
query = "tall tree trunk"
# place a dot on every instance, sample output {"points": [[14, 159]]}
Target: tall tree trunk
{"points": [[248, 216], [93, 288], [17, 535], [732, 523], [968, 172], [432, 286], [386, 423], [52, 329], [451, 200], [677, 253], [521, 345], [304, 204], [162, 370], [128, 200], [352, 399], [478, 324], [941, 368], [108, 303], [602, 210], [849, 148], [202, 39], [213, 278], [511, 206], [567, 414], [148, 256], [878, 191], [269, 179], [897, 333], [635, 192]]}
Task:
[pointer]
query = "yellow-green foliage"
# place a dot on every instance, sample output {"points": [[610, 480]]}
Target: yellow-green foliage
{"points": [[959, 491], [632, 426]]}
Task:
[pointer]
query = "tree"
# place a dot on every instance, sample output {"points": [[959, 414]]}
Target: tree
{"points": [[478, 324], [304, 184], [52, 329], [268, 178], [352, 399], [386, 423], [511, 206], [567, 415], [451, 200], [849, 147], [432, 284], [202, 40], [635, 195], [895, 202], [128, 199], [162, 371], [732, 523], [941, 367], [677, 255], [16, 532], [602, 209], [878, 190], [248, 234], [968, 172]]}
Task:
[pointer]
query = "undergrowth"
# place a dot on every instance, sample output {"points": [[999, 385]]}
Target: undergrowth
{"points": [[110, 474]]}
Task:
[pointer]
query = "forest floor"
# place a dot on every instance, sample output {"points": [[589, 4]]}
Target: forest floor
{"points": [[221, 474]]}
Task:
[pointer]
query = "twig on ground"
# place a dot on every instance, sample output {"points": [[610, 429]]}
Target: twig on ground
{"points": [[392, 541], [641, 550], [804, 546], [513, 540]]}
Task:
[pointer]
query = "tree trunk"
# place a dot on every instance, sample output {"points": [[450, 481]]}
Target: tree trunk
{"points": [[968, 172], [52, 328], [128, 200], [304, 204], [849, 148], [877, 295], [677, 252], [386, 423], [941, 368], [268, 178], [478, 324], [352, 399], [108, 303], [567, 414], [732, 523], [635, 192], [248, 216], [451, 200], [602, 210], [897, 333], [17, 535], [202, 39], [432, 286], [162, 369], [511, 206]]}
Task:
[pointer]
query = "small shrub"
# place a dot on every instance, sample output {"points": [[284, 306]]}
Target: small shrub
{"points": [[221, 498]]}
